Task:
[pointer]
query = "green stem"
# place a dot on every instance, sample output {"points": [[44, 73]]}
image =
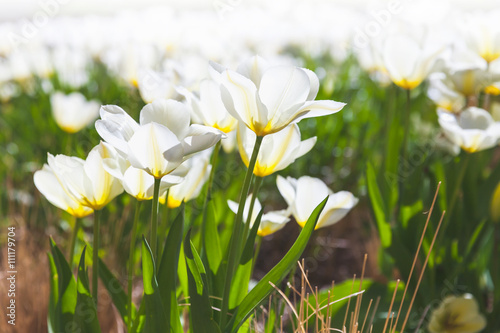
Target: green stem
{"points": [[131, 263], [208, 195], [456, 191], [154, 218], [257, 250], [164, 226], [406, 126], [234, 245], [256, 186], [404, 151], [95, 257], [74, 235]]}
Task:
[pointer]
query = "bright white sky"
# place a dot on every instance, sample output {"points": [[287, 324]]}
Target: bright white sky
{"points": [[16, 9]]}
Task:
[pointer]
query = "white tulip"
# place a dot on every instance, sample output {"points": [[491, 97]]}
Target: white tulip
{"points": [[51, 187], [87, 181], [278, 150], [208, 109], [407, 61], [473, 130], [303, 195], [73, 112], [442, 94], [267, 99], [156, 85], [269, 223], [163, 139]]}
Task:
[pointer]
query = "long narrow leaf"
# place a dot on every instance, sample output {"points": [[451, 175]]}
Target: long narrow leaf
{"points": [[277, 274], [377, 202], [85, 312], [201, 313], [155, 320], [115, 290], [66, 294], [167, 272]]}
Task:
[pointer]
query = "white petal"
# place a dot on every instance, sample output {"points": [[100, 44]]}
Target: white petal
{"points": [[170, 113], [286, 189], [200, 138], [116, 126], [310, 193], [283, 87], [239, 97], [148, 146], [314, 84], [253, 68], [337, 206], [401, 57]]}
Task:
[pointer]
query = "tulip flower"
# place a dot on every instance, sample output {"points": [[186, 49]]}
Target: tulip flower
{"points": [[278, 151], [468, 74], [156, 85], [473, 130], [267, 99], [73, 112], [483, 35], [190, 187], [303, 195], [457, 314], [208, 109], [163, 139], [56, 192], [269, 223], [441, 92], [407, 61], [87, 181]]}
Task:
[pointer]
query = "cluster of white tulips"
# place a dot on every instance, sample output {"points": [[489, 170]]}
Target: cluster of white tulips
{"points": [[165, 156]]}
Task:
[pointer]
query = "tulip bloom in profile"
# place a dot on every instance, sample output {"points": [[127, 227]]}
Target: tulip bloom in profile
{"points": [[208, 109], [73, 112], [267, 99], [407, 61], [198, 170], [303, 195], [163, 139], [473, 130], [57, 194], [457, 315], [278, 150], [270, 222], [87, 181]]}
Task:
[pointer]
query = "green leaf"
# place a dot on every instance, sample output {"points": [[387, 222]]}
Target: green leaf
{"points": [[115, 290], [384, 228], [51, 319], [201, 313], [155, 317], [212, 241], [66, 292], [239, 288], [408, 211], [167, 273], [277, 274], [85, 312]]}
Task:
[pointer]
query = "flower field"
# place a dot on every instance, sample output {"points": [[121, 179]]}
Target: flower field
{"points": [[250, 167]]}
